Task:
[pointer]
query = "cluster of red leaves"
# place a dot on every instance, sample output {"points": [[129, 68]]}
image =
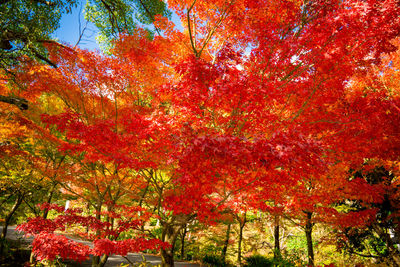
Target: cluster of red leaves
{"points": [[101, 142], [48, 245], [122, 247]]}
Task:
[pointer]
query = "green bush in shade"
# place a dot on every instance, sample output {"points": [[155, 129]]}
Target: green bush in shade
{"points": [[258, 261], [262, 261], [213, 260]]}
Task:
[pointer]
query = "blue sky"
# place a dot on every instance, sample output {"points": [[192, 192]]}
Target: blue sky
{"points": [[72, 24], [69, 31]]}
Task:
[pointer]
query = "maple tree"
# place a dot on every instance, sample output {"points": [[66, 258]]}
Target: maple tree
{"points": [[254, 100], [376, 239], [25, 174], [380, 170]]}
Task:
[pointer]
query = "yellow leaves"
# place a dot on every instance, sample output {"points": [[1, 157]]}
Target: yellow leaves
{"points": [[38, 69], [82, 58], [9, 130], [51, 104]]}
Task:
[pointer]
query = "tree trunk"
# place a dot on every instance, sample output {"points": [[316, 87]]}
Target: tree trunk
{"points": [[226, 243], [99, 261], [167, 258], [308, 232], [394, 254], [183, 242], [277, 248], [241, 226], [7, 220], [49, 198], [169, 234]]}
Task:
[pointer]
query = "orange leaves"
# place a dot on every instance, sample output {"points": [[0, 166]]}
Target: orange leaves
{"points": [[164, 24]]}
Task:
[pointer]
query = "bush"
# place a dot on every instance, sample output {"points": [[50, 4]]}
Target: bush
{"points": [[262, 261], [214, 261], [258, 261], [286, 262]]}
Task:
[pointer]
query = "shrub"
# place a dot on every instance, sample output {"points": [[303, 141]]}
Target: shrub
{"points": [[286, 262], [258, 261], [262, 261], [213, 260]]}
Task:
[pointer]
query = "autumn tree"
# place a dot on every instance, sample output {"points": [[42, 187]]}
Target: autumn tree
{"points": [[253, 96], [378, 237]]}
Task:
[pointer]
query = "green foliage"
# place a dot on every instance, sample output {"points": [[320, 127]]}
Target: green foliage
{"points": [[258, 261], [113, 17], [379, 245], [156, 232], [287, 261], [262, 261], [213, 260], [297, 243], [25, 26]]}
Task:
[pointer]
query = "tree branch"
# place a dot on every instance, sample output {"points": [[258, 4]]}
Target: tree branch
{"points": [[45, 59], [150, 15], [21, 103], [190, 29]]}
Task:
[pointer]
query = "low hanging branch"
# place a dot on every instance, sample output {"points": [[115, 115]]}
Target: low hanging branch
{"points": [[21, 103]]}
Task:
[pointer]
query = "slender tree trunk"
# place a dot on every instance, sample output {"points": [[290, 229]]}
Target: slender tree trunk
{"points": [[308, 232], [277, 248], [241, 226], [7, 220], [99, 261], [49, 198], [226, 243], [183, 242]]}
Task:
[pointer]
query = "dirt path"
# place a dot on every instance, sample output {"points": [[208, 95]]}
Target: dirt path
{"points": [[114, 260]]}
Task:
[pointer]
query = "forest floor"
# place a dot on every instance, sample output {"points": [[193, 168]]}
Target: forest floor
{"points": [[114, 260]]}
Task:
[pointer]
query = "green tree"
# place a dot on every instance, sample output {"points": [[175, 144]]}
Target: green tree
{"points": [[113, 17], [25, 26]]}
